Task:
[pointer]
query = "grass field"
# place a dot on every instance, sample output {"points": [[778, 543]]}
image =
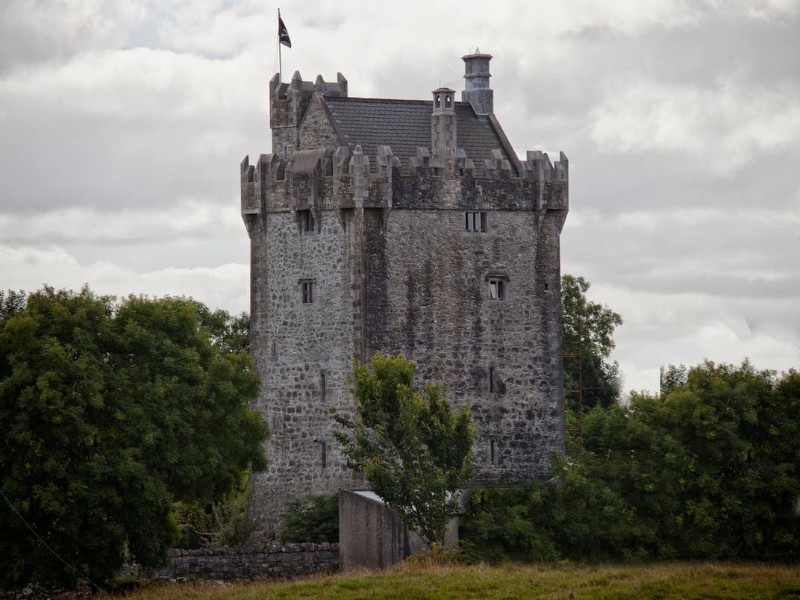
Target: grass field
{"points": [[663, 581]]}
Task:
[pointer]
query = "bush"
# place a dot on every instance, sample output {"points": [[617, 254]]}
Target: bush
{"points": [[314, 518]]}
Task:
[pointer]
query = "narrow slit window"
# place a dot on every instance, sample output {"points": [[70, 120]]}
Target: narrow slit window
{"points": [[492, 452], [307, 288], [322, 384], [491, 380], [323, 455]]}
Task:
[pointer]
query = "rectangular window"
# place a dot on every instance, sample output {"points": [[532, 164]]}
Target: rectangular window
{"points": [[497, 289], [476, 221], [306, 221], [308, 291]]}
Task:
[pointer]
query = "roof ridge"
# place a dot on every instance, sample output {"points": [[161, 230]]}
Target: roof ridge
{"points": [[376, 100]]}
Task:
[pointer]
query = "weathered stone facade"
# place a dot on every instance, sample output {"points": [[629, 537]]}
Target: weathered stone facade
{"points": [[409, 227]]}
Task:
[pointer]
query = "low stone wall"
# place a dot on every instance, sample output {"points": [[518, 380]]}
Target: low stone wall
{"points": [[271, 562]]}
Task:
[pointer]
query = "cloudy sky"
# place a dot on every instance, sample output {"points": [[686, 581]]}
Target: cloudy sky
{"points": [[123, 122]]}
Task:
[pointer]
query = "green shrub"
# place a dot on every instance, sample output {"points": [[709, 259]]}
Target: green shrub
{"points": [[314, 518], [223, 523]]}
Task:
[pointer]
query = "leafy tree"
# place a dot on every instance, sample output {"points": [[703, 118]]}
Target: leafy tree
{"points": [[414, 450], [671, 377], [109, 413], [708, 470], [587, 330]]}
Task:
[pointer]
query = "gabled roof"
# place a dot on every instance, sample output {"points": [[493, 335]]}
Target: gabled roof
{"points": [[405, 125]]}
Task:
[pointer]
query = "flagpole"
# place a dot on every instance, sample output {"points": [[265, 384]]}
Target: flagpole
{"points": [[280, 59]]}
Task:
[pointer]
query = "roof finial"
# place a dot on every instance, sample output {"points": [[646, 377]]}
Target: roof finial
{"points": [[477, 50]]}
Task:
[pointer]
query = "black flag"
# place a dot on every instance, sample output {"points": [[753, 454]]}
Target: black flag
{"points": [[283, 35]]}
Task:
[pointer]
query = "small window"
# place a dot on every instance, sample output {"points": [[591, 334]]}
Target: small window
{"points": [[497, 289], [323, 454], [306, 221], [491, 380], [476, 221], [308, 291], [492, 453]]}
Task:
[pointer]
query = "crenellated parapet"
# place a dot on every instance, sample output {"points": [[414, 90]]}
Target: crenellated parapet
{"points": [[323, 179]]}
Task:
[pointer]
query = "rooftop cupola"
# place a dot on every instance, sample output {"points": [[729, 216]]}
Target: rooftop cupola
{"points": [[477, 90], [443, 123]]}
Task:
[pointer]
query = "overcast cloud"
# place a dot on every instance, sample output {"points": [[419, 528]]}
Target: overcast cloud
{"points": [[123, 122]]}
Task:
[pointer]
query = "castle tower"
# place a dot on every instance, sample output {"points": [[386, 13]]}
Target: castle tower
{"points": [[408, 226], [477, 89]]}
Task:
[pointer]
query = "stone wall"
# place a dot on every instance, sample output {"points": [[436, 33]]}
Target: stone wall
{"points": [[303, 352], [495, 355], [273, 562]]}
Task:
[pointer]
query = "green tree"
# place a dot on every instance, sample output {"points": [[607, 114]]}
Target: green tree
{"points": [[413, 448], [708, 470], [671, 377], [587, 332], [110, 413]]}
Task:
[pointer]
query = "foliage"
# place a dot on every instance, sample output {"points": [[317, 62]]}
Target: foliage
{"points": [[709, 470], [414, 450], [671, 377], [109, 413], [587, 330], [314, 518], [225, 522]]}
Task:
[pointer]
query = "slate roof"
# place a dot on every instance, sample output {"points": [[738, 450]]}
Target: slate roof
{"points": [[405, 125]]}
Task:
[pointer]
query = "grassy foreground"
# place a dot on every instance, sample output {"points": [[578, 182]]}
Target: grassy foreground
{"points": [[664, 581]]}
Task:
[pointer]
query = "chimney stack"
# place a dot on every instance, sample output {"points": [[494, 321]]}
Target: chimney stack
{"points": [[443, 123], [477, 90]]}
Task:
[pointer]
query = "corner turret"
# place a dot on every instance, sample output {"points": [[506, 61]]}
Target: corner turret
{"points": [[289, 103]]}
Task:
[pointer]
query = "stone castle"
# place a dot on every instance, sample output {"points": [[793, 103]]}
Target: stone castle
{"points": [[412, 227]]}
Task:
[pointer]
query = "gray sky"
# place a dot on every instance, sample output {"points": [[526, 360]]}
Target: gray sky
{"points": [[123, 122]]}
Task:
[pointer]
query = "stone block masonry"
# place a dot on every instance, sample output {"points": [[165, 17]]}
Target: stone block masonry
{"points": [[272, 562]]}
